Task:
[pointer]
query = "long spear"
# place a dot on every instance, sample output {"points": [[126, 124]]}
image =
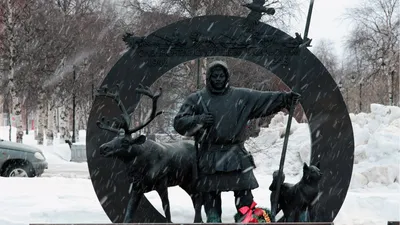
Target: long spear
{"points": [[291, 112]]}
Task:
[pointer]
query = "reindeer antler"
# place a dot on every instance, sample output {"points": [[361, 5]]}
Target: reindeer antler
{"points": [[106, 125], [146, 91], [104, 91]]}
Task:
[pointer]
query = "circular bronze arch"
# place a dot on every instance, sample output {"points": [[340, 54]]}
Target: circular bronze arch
{"points": [[329, 122]]}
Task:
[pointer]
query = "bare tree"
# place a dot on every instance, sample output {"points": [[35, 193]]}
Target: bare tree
{"points": [[84, 46], [324, 50], [286, 10], [374, 40]]}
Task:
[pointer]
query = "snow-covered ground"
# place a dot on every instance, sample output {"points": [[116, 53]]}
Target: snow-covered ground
{"points": [[65, 194]]}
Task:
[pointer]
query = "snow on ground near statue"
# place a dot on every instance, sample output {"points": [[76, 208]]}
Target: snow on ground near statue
{"points": [[62, 196], [72, 200]]}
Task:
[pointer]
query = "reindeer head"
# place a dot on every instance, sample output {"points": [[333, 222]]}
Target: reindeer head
{"points": [[122, 145]]}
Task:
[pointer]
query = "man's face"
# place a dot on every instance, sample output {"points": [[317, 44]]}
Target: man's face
{"points": [[218, 78]]}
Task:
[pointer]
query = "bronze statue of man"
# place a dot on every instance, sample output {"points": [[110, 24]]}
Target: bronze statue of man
{"points": [[217, 116]]}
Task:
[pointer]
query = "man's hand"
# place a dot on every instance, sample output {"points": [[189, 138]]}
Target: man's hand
{"points": [[292, 98], [295, 97], [206, 119]]}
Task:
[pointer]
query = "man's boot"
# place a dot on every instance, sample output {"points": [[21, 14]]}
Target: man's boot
{"points": [[213, 216], [213, 207]]}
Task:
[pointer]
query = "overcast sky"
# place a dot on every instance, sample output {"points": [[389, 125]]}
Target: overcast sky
{"points": [[326, 22]]}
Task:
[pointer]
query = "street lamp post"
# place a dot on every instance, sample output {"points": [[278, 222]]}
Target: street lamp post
{"points": [[353, 81], [73, 106], [390, 81], [391, 88]]}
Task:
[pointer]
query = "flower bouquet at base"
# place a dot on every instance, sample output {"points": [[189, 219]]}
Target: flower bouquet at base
{"points": [[253, 214]]}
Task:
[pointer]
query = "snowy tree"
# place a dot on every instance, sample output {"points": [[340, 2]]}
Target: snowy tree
{"points": [[16, 108], [12, 41], [50, 126]]}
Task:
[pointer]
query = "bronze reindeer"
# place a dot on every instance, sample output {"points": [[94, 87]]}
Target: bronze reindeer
{"points": [[151, 165]]}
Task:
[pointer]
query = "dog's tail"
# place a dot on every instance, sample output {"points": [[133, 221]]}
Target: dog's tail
{"points": [[274, 183]]}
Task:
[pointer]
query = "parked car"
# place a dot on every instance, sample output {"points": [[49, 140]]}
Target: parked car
{"points": [[19, 160]]}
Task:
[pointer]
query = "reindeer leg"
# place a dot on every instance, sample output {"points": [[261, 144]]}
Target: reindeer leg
{"points": [[132, 206], [163, 193], [197, 200]]}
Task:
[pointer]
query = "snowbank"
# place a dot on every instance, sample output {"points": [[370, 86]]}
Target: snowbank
{"points": [[377, 147], [267, 147], [377, 158]]}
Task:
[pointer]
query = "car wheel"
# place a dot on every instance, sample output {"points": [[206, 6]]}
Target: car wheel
{"points": [[19, 170]]}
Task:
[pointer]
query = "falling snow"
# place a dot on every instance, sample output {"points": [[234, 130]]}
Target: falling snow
{"points": [[64, 194]]}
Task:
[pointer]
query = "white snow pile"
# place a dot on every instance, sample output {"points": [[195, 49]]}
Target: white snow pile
{"points": [[377, 147], [65, 194]]}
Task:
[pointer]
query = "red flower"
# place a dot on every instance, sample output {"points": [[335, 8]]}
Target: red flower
{"points": [[258, 212], [253, 220]]}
